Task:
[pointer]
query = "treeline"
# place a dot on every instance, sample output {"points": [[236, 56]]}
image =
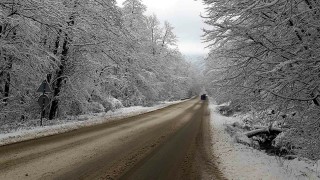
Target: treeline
{"points": [[95, 55], [265, 59]]}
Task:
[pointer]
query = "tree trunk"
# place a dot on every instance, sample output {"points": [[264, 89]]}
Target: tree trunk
{"points": [[8, 59], [56, 44], [59, 79], [7, 81], [2, 58], [59, 73]]}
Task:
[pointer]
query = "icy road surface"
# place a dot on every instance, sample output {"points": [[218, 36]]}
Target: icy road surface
{"points": [[171, 143]]}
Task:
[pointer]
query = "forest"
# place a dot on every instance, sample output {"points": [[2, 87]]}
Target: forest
{"points": [[264, 60], [95, 55]]}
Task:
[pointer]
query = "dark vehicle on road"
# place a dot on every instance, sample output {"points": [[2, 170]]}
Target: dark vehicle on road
{"points": [[204, 97]]}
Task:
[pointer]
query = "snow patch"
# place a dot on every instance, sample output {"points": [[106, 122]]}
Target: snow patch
{"points": [[241, 162]]}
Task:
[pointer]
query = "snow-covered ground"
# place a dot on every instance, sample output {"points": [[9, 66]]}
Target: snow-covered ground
{"points": [[31, 129], [238, 161]]}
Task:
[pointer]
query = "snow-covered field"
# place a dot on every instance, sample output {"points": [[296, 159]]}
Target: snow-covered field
{"points": [[238, 161], [32, 130]]}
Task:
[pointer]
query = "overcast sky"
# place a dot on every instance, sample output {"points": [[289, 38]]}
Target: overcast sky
{"points": [[184, 15]]}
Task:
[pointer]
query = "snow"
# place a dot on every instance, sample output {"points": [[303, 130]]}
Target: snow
{"points": [[31, 129], [241, 162], [266, 5]]}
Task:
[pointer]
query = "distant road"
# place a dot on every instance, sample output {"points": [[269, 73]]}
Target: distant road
{"points": [[171, 143]]}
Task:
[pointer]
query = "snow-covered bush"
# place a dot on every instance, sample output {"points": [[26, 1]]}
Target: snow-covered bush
{"points": [[76, 108], [96, 107], [111, 104]]}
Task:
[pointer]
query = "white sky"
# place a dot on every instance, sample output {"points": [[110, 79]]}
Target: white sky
{"points": [[184, 16]]}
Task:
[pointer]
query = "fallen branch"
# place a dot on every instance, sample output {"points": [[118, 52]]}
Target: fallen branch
{"points": [[265, 130], [290, 156], [259, 127]]}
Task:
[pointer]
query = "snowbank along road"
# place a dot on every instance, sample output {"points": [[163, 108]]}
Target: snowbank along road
{"points": [[171, 143]]}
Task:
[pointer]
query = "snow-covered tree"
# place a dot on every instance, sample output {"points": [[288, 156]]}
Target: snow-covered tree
{"points": [[133, 14], [168, 37], [153, 27], [264, 54], [95, 55]]}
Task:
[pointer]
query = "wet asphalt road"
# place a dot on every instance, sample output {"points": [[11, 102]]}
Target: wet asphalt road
{"points": [[171, 143]]}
